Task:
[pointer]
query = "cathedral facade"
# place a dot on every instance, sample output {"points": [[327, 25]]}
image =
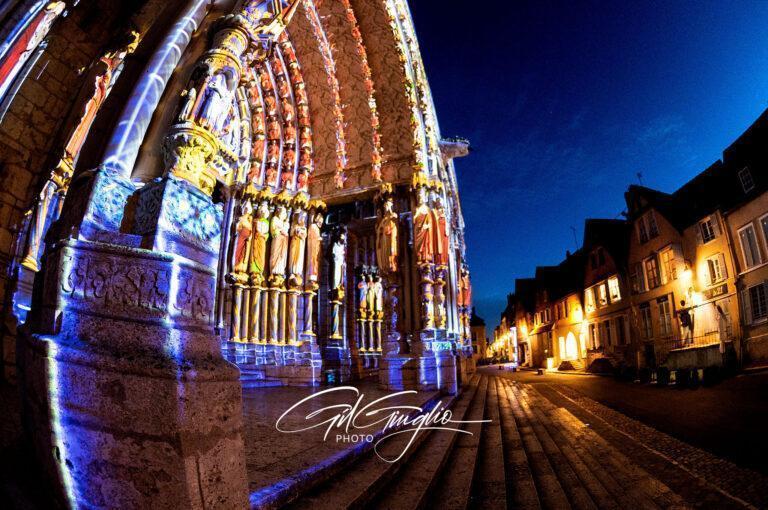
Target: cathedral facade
{"points": [[218, 193]]}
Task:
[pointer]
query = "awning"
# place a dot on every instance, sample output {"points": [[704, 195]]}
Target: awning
{"points": [[543, 328]]}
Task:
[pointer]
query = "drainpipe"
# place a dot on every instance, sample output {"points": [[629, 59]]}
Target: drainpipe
{"points": [[127, 137]]}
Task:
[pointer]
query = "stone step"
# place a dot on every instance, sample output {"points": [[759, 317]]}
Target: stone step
{"points": [[578, 458], [301, 489], [414, 483], [520, 484], [627, 484], [456, 482], [360, 481], [573, 487], [548, 487], [489, 488]]}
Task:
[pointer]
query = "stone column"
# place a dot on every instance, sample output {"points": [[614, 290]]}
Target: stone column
{"points": [[127, 398]]}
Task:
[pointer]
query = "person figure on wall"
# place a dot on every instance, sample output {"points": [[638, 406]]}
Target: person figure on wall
{"points": [[686, 323]]}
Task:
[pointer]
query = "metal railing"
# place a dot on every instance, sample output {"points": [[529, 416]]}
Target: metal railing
{"points": [[706, 339]]}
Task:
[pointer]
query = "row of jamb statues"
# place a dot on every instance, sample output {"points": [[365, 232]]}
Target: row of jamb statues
{"points": [[275, 265], [370, 309]]}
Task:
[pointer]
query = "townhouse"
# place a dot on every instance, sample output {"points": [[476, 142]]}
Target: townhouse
{"points": [[745, 211], [607, 310], [680, 284]]}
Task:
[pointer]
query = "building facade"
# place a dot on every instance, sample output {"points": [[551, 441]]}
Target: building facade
{"points": [[196, 192], [679, 284]]}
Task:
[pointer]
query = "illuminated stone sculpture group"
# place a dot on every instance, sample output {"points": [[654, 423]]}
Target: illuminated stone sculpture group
{"points": [[268, 235]]}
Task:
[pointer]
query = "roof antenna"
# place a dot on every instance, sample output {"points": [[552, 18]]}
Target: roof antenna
{"points": [[640, 178], [575, 240]]}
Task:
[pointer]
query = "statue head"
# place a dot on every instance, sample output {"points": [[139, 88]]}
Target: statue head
{"points": [[246, 208], [318, 219], [421, 196], [263, 209], [389, 205]]}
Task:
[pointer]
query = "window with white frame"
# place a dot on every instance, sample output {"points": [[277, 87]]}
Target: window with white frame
{"points": [[646, 323], [647, 227], [764, 227], [716, 269], [757, 308], [668, 269], [747, 183], [665, 316], [593, 341], [749, 248], [652, 272], [613, 289], [589, 300], [602, 295], [707, 230]]}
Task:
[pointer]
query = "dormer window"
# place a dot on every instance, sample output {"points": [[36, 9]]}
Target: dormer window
{"points": [[747, 183], [646, 227]]}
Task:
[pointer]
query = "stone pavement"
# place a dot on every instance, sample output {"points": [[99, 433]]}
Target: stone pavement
{"points": [[280, 464], [545, 447]]}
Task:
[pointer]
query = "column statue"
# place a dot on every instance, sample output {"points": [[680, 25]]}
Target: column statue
{"points": [[260, 237], [298, 240], [386, 238], [423, 227], [243, 230], [279, 231]]}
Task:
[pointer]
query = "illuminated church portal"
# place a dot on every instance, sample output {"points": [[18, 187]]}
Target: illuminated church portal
{"points": [[258, 185]]}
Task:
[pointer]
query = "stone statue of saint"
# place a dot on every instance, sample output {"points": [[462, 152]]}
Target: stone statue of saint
{"points": [[386, 238], [362, 295], [216, 102], [338, 261], [190, 96], [298, 240], [370, 296], [314, 242], [466, 288], [260, 236], [243, 231], [423, 227], [441, 242], [378, 291], [279, 231]]}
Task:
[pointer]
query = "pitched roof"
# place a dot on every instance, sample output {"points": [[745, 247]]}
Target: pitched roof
{"points": [[611, 234]]}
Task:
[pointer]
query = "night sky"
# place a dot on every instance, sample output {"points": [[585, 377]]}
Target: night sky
{"points": [[565, 102]]}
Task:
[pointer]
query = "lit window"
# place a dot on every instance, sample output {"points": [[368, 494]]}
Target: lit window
{"points": [[613, 289], [652, 272], [665, 316], [747, 183], [589, 299], [602, 295], [749, 246], [716, 268], [668, 269], [707, 231]]}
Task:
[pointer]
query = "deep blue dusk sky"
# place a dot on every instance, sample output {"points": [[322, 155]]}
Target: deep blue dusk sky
{"points": [[564, 102]]}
